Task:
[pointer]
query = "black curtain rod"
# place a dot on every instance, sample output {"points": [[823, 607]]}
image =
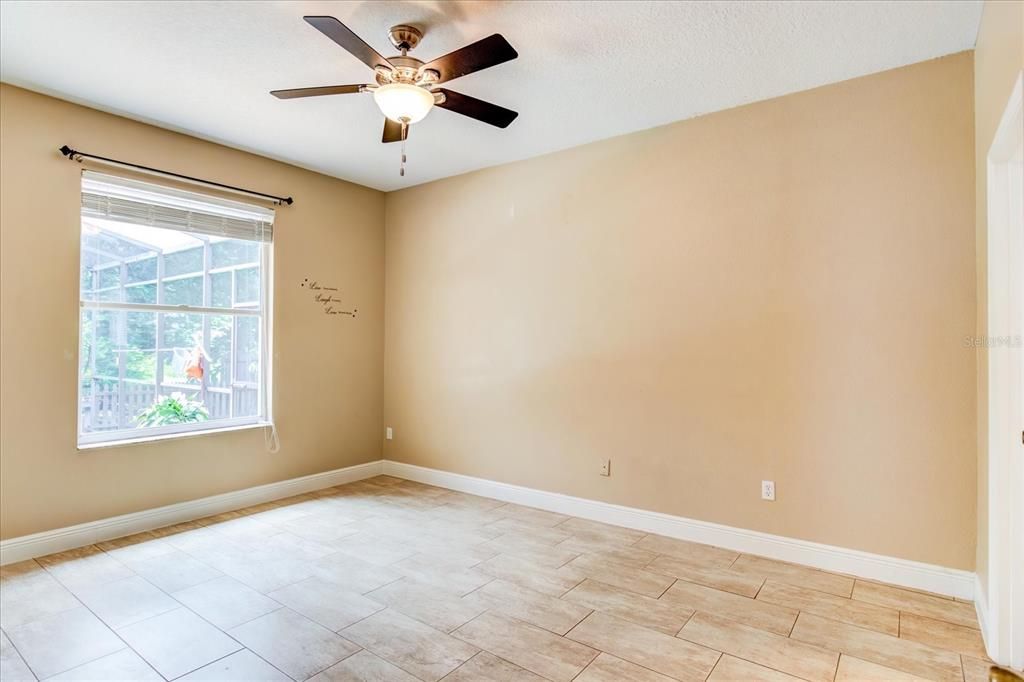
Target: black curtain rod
{"points": [[75, 155]]}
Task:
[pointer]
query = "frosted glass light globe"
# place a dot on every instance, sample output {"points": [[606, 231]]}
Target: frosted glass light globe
{"points": [[403, 102]]}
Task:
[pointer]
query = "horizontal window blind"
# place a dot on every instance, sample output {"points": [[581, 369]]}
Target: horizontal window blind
{"points": [[142, 203]]}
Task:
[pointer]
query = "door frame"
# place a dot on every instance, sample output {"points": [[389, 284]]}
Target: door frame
{"points": [[1005, 329]]}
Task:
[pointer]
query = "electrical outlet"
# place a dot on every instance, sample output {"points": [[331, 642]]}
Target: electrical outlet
{"points": [[768, 490], [606, 467], [388, 433]]}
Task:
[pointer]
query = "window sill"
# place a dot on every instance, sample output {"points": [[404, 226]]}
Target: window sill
{"points": [[140, 440]]}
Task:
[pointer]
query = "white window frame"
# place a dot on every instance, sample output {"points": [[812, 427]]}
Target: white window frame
{"points": [[264, 415]]}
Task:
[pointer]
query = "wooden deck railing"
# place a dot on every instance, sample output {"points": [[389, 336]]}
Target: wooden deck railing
{"points": [[112, 404]]}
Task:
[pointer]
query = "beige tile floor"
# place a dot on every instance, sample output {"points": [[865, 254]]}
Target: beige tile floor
{"points": [[387, 579]]}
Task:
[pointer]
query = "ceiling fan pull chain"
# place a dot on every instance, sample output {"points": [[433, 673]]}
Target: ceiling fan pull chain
{"points": [[405, 135]]}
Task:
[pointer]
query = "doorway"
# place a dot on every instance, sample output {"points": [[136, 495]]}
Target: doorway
{"points": [[1005, 626]]}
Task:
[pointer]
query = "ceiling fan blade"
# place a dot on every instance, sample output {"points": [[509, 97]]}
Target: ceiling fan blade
{"points": [[477, 108], [477, 56], [392, 131], [316, 92], [343, 35]]}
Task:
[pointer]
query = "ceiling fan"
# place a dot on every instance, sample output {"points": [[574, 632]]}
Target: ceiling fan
{"points": [[406, 88]]}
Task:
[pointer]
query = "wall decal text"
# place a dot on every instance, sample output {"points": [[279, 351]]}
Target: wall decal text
{"points": [[327, 297]]}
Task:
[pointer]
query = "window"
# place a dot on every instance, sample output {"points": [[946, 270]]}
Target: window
{"points": [[174, 326]]}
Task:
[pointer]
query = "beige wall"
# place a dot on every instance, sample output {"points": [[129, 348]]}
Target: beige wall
{"points": [[779, 291], [776, 291], [328, 371], [998, 58]]}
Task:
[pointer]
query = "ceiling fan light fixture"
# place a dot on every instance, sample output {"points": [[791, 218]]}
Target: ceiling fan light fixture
{"points": [[403, 102]]}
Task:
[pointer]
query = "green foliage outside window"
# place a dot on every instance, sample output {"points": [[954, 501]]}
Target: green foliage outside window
{"points": [[172, 409]]}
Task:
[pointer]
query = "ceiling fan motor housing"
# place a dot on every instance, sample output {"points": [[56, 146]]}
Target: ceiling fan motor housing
{"points": [[406, 70], [405, 37]]}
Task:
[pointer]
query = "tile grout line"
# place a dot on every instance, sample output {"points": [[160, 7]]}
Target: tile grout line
{"points": [[670, 586], [711, 672], [878, 633], [200, 616], [597, 652], [693, 613], [101, 621], [456, 668], [329, 665], [387, 660], [608, 653], [25, 661], [757, 663]]}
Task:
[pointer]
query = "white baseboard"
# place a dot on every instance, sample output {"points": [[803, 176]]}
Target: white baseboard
{"points": [[948, 581], [48, 542], [913, 574], [981, 608]]}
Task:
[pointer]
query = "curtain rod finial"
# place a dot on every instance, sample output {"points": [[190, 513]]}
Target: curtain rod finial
{"points": [[67, 151]]}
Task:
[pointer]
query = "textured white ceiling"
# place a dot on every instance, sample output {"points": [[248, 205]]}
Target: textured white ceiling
{"points": [[586, 70]]}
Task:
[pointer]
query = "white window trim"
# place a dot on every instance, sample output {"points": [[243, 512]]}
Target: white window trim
{"points": [[88, 441], [264, 416], [266, 329]]}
